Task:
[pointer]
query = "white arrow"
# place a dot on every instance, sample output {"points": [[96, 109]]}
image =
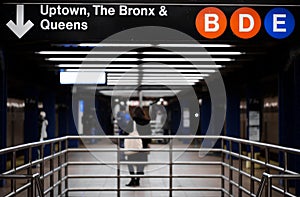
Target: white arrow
{"points": [[20, 28]]}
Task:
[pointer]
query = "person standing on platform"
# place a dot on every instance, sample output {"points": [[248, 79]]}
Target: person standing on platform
{"points": [[142, 123], [43, 123]]}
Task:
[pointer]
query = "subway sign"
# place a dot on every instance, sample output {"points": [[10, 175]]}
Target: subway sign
{"points": [[245, 22], [95, 22]]}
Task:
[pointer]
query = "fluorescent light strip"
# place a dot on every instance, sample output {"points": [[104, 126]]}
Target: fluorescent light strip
{"points": [[155, 93], [86, 52], [150, 83], [83, 70], [156, 75], [136, 59], [187, 59], [136, 66], [154, 78], [143, 91], [196, 45], [149, 70], [82, 66], [152, 45], [192, 53], [180, 66], [135, 53], [113, 45], [75, 59], [163, 70]]}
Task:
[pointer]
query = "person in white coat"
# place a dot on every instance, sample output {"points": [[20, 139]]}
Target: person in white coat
{"points": [[43, 123], [43, 126]]}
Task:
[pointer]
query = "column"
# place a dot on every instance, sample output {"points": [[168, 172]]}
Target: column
{"points": [[289, 115], [205, 115], [62, 120], [72, 118], [233, 117], [296, 131], [175, 117], [49, 107], [254, 107], [31, 128], [3, 114]]}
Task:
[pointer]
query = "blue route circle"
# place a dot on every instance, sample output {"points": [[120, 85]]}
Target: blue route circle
{"points": [[279, 23]]}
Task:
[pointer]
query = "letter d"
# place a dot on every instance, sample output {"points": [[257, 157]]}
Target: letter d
{"points": [[242, 18]]}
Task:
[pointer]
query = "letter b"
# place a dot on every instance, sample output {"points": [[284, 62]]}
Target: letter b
{"points": [[211, 22]]}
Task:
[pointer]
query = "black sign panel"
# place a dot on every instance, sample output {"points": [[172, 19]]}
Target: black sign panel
{"points": [[95, 22]]}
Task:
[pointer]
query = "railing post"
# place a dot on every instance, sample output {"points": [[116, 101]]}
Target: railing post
{"points": [[267, 170], [269, 187], [60, 168], [32, 189], [240, 169], [66, 168], [29, 170], [42, 166], [285, 169], [252, 170], [13, 164], [170, 167], [38, 185], [118, 169], [261, 186], [230, 169], [222, 166], [52, 169]]}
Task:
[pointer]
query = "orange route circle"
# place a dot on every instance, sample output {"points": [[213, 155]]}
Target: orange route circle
{"points": [[245, 22], [211, 22]]}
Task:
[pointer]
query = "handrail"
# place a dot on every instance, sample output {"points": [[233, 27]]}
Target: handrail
{"points": [[32, 144], [261, 144], [247, 142], [60, 150], [33, 177], [267, 179]]}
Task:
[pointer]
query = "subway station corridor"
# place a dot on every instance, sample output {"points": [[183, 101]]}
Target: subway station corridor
{"points": [[150, 98]]}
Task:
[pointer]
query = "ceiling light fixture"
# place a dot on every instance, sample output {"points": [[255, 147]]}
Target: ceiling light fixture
{"points": [[156, 75], [136, 66], [70, 59], [167, 70]]}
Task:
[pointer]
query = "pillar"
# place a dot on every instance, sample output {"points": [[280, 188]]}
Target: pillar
{"points": [[233, 117], [175, 117], [254, 105], [186, 120], [31, 128], [72, 117], [295, 159], [3, 113], [289, 115], [205, 114], [49, 107]]}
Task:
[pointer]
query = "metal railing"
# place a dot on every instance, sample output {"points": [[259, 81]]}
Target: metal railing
{"points": [[236, 161], [33, 187], [267, 179]]}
